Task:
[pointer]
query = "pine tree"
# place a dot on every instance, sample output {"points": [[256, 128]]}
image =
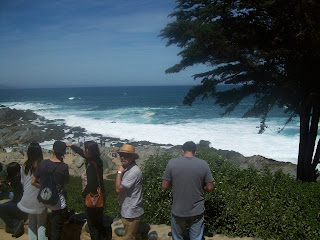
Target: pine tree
{"points": [[268, 49]]}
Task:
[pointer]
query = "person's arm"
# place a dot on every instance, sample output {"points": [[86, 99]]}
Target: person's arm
{"points": [[119, 187], [166, 178], [76, 149], [208, 187], [208, 181], [165, 185], [35, 182]]}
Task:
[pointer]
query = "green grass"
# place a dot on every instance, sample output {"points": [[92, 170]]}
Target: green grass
{"points": [[75, 201]]}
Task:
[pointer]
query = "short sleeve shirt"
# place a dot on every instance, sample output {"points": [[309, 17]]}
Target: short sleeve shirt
{"points": [[60, 176], [188, 176], [131, 198]]}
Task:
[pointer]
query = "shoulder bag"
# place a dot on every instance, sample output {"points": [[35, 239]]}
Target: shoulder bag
{"points": [[94, 200]]}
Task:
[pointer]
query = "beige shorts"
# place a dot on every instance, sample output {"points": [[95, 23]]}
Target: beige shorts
{"points": [[131, 228]]}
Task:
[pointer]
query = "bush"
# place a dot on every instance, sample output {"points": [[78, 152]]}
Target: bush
{"points": [[246, 202]]}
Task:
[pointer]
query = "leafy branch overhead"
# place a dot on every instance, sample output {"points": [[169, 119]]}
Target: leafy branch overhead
{"points": [[268, 48]]}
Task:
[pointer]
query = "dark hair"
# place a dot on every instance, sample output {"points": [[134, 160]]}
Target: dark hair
{"points": [[35, 155], [59, 149], [59, 156], [93, 149], [12, 169], [189, 147]]}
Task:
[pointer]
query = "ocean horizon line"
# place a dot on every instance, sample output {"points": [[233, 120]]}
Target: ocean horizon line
{"points": [[100, 86]]}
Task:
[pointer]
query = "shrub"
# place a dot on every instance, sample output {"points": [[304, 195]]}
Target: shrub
{"points": [[246, 202]]}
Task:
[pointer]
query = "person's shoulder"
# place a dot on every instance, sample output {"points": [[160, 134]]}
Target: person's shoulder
{"points": [[135, 168], [43, 163], [64, 165], [201, 161], [172, 160]]}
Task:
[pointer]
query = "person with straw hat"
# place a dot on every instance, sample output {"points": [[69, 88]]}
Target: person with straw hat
{"points": [[129, 187]]}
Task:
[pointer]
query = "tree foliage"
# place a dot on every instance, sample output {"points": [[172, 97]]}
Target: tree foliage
{"points": [[268, 49]]}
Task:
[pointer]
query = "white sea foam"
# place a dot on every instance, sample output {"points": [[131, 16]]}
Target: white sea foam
{"points": [[222, 133], [236, 134], [31, 106]]}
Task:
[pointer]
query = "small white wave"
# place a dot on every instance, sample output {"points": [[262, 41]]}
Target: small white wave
{"points": [[31, 106], [71, 98]]}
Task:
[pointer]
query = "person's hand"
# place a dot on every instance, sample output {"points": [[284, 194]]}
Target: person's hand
{"points": [[68, 144], [120, 168]]}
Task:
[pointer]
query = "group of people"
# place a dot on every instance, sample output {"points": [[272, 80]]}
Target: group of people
{"points": [[187, 175]]}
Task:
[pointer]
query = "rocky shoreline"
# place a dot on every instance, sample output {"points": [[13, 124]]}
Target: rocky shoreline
{"points": [[18, 128]]}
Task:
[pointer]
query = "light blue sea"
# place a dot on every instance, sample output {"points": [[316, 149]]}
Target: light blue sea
{"points": [[156, 114]]}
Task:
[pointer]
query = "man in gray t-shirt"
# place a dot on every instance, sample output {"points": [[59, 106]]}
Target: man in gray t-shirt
{"points": [[188, 176], [129, 187]]}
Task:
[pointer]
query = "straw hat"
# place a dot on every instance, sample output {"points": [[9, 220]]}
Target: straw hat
{"points": [[128, 149]]}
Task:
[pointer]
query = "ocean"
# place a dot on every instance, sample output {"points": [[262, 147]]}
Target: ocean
{"points": [[156, 114]]}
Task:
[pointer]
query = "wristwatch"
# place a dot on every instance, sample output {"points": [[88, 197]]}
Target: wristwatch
{"points": [[120, 172]]}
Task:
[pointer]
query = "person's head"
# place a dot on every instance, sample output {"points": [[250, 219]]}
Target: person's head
{"points": [[35, 155], [127, 155], [91, 149], [12, 169], [189, 147], [59, 150]]}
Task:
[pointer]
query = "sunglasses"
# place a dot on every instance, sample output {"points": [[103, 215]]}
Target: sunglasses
{"points": [[125, 155]]}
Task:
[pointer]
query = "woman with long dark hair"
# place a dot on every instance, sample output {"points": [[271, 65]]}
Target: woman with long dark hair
{"points": [[91, 180], [9, 212], [60, 174], [29, 203]]}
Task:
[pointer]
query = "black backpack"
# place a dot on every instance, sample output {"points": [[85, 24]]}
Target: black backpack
{"points": [[48, 193]]}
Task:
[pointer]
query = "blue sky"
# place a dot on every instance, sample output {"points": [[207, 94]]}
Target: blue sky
{"points": [[47, 43]]}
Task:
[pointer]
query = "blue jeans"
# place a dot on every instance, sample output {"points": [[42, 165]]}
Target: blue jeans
{"points": [[11, 214], [187, 227]]}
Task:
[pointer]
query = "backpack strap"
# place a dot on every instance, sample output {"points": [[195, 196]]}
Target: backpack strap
{"points": [[95, 164]]}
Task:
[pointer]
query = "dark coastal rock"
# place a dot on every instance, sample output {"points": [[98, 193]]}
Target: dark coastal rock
{"points": [[257, 162], [24, 127]]}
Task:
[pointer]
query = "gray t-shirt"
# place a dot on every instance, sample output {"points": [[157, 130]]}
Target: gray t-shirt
{"points": [[188, 176], [131, 199]]}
